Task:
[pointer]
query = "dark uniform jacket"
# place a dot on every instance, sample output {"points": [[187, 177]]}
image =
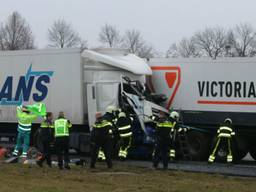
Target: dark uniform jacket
{"points": [[46, 131], [123, 125], [163, 129], [101, 129]]}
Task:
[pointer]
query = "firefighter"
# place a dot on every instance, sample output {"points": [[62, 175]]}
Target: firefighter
{"points": [[124, 128], [225, 134], [46, 137], [61, 134], [100, 138], [111, 116], [162, 141], [25, 119], [174, 118], [175, 130]]}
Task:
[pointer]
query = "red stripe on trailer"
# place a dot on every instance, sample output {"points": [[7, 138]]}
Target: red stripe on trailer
{"points": [[209, 102]]}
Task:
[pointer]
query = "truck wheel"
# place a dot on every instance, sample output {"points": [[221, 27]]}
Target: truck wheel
{"points": [[199, 145]]}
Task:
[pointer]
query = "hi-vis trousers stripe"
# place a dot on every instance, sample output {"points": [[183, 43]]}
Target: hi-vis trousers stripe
{"points": [[172, 153], [211, 159]]}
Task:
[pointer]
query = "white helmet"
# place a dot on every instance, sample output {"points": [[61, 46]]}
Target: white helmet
{"points": [[228, 121], [175, 115], [111, 109], [121, 114]]}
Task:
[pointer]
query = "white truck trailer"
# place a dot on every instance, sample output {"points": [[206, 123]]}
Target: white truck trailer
{"points": [[79, 84], [206, 92]]}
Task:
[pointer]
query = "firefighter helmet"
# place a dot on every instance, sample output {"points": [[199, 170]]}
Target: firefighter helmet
{"points": [[228, 121], [111, 109], [175, 115], [121, 114]]}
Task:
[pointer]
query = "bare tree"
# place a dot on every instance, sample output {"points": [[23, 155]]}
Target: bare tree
{"points": [[146, 51], [134, 41], [212, 41], [230, 50], [188, 48], [185, 48], [172, 52], [110, 36], [244, 40], [15, 34], [62, 35]]}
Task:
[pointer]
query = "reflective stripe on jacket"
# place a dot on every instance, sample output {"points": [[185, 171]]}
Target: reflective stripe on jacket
{"points": [[24, 120], [102, 124], [124, 127], [166, 124], [225, 131]]}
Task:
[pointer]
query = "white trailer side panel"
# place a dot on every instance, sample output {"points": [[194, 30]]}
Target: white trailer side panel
{"points": [[55, 79], [227, 85]]}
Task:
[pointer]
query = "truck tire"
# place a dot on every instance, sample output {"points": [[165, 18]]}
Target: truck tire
{"points": [[199, 145]]}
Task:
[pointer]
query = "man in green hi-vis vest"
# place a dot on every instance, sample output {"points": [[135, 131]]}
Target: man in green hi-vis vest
{"points": [[61, 133], [25, 119]]}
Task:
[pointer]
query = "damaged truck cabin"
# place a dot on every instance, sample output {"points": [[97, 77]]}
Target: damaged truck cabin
{"points": [[80, 84]]}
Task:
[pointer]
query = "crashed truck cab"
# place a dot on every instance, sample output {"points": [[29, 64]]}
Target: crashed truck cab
{"points": [[115, 77]]}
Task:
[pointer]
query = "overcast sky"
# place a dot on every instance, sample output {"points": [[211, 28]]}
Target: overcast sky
{"points": [[161, 22]]}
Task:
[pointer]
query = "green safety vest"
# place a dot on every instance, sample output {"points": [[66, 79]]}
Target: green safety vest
{"points": [[25, 120], [61, 127]]}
